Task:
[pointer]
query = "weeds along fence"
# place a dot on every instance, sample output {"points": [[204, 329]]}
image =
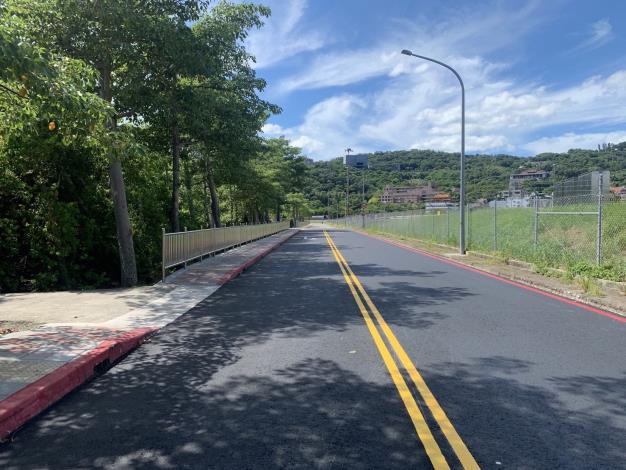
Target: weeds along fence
{"points": [[581, 223], [179, 248]]}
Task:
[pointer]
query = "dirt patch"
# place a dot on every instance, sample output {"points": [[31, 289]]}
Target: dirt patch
{"points": [[7, 327]]}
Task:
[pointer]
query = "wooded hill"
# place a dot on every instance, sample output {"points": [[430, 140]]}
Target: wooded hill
{"points": [[486, 174]]}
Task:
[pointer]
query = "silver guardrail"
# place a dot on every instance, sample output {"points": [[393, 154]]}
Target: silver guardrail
{"points": [[182, 247]]}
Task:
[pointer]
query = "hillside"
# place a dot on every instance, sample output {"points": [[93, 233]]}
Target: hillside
{"points": [[486, 174]]}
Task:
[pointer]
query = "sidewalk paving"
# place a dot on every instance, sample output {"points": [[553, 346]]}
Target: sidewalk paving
{"points": [[41, 365]]}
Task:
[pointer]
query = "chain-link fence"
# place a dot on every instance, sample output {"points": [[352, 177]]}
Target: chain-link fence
{"points": [[581, 222]]}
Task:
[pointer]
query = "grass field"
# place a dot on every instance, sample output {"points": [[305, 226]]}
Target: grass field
{"points": [[564, 240]]}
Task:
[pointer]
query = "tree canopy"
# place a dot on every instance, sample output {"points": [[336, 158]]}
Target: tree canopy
{"points": [[120, 118]]}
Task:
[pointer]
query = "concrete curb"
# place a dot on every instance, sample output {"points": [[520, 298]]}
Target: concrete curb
{"points": [[232, 274], [31, 400], [17, 409]]}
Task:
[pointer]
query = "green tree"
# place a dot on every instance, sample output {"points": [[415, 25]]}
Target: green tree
{"points": [[111, 36]]}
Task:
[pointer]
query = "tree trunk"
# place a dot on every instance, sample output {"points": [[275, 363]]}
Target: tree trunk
{"points": [[205, 201], [189, 190], [128, 265], [232, 205], [126, 247], [215, 202], [277, 212], [174, 215]]}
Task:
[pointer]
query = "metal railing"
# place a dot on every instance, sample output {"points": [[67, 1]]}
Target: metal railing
{"points": [[182, 247]]}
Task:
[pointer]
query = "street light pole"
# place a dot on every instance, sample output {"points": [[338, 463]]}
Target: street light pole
{"points": [[348, 150], [462, 176]]}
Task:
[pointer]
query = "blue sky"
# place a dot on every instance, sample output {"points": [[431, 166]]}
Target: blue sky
{"points": [[539, 75]]}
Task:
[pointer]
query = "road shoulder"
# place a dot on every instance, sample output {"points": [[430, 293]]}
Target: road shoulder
{"points": [[607, 298]]}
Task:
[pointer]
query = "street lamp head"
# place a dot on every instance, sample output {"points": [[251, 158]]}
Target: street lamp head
{"points": [[406, 52]]}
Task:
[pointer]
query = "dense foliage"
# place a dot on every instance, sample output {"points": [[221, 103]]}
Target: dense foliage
{"points": [[121, 118], [486, 175]]}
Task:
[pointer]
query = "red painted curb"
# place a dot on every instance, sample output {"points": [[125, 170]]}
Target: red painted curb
{"points": [[31, 400], [443, 259], [229, 276]]}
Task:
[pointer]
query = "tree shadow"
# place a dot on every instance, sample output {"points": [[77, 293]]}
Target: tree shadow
{"points": [[527, 424], [167, 405], [161, 410], [609, 391]]}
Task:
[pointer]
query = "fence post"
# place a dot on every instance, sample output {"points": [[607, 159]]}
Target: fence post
{"points": [[163, 254], [599, 237], [432, 232], [186, 244], [495, 225], [536, 228], [469, 227], [201, 241]]}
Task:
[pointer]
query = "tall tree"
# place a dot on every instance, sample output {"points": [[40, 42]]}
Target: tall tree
{"points": [[109, 35], [228, 113]]}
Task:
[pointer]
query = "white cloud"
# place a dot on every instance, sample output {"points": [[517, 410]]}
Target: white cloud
{"points": [[326, 129], [601, 32], [283, 36], [570, 140], [273, 130], [471, 31], [419, 104], [415, 111]]}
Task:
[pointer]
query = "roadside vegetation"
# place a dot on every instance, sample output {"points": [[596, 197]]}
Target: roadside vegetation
{"points": [[486, 175], [566, 242], [122, 118]]}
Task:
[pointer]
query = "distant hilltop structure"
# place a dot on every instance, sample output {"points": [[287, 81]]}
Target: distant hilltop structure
{"points": [[619, 192], [517, 179], [413, 195], [356, 161]]}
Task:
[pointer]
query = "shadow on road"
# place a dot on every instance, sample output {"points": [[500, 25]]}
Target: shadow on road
{"points": [[526, 426], [162, 407]]}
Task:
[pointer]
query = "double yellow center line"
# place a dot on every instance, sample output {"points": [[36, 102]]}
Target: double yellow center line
{"points": [[421, 427]]}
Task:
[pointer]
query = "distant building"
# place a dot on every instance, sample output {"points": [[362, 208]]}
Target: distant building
{"points": [[519, 193], [512, 202], [436, 206], [619, 192], [478, 203], [441, 197], [407, 194], [356, 161], [518, 202], [516, 179]]}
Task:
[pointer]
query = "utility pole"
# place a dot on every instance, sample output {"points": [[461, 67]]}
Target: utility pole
{"points": [[348, 150]]}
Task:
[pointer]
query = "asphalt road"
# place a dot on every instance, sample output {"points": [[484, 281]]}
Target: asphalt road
{"points": [[279, 370]]}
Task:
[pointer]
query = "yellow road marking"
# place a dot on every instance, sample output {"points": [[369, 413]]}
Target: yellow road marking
{"points": [[423, 431], [457, 444]]}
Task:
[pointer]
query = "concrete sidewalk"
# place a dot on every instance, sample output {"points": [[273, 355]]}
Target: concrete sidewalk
{"points": [[85, 333]]}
